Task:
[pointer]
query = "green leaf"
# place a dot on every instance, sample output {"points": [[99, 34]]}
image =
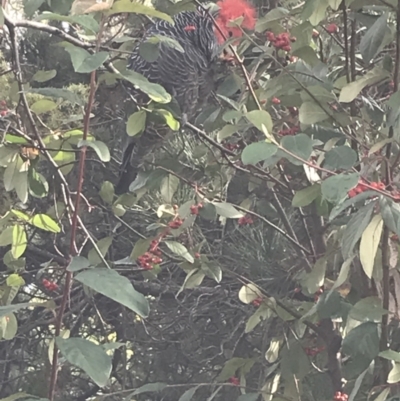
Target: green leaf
{"points": [[78, 263], [19, 241], [231, 367], [140, 248], [169, 119], [260, 119], [354, 229], [294, 361], [226, 132], [11, 328], [391, 214], [45, 223], [30, 7], [349, 202], [351, 90], [83, 7], [193, 279], [126, 6], [43, 76], [257, 152], [169, 186], [262, 313], [149, 388], [167, 41], [311, 113], [86, 21], [149, 51], [362, 340], [6, 237], [212, 270], [370, 240], [43, 106], [306, 196], [84, 62], [88, 356], [335, 188], [180, 250], [107, 192], [20, 215], [154, 91], [299, 145], [368, 310], [188, 394], [99, 147], [56, 93], [372, 42], [136, 123], [390, 355], [103, 245], [64, 158], [341, 157], [315, 279], [112, 285], [225, 209], [15, 280]]}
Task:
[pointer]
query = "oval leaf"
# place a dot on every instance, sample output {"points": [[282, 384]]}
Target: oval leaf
{"points": [[90, 357], [112, 285]]}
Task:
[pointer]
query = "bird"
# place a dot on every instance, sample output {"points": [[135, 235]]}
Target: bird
{"points": [[186, 75]]}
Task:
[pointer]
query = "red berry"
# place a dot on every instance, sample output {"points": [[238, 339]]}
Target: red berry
{"points": [[3, 113], [332, 28], [197, 255], [194, 209], [287, 48], [352, 193], [275, 100], [234, 380], [270, 36]]}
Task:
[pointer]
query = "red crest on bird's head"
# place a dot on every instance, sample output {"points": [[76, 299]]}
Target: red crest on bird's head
{"points": [[231, 10]]}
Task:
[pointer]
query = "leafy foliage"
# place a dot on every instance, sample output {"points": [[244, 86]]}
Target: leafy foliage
{"points": [[256, 254]]}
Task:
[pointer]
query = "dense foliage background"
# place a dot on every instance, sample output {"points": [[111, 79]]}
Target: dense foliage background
{"points": [[257, 255]]}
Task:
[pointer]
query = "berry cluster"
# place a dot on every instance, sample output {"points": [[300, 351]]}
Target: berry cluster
{"points": [[362, 187], [340, 396], [151, 257], [176, 223], [313, 351], [49, 285], [257, 302], [289, 131], [245, 220], [194, 209], [234, 380], [3, 108], [281, 41]]}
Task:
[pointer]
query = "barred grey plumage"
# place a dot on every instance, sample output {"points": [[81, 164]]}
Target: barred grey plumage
{"points": [[186, 76]]}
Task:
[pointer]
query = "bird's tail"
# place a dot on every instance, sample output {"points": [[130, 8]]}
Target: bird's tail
{"points": [[128, 171], [137, 151]]}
